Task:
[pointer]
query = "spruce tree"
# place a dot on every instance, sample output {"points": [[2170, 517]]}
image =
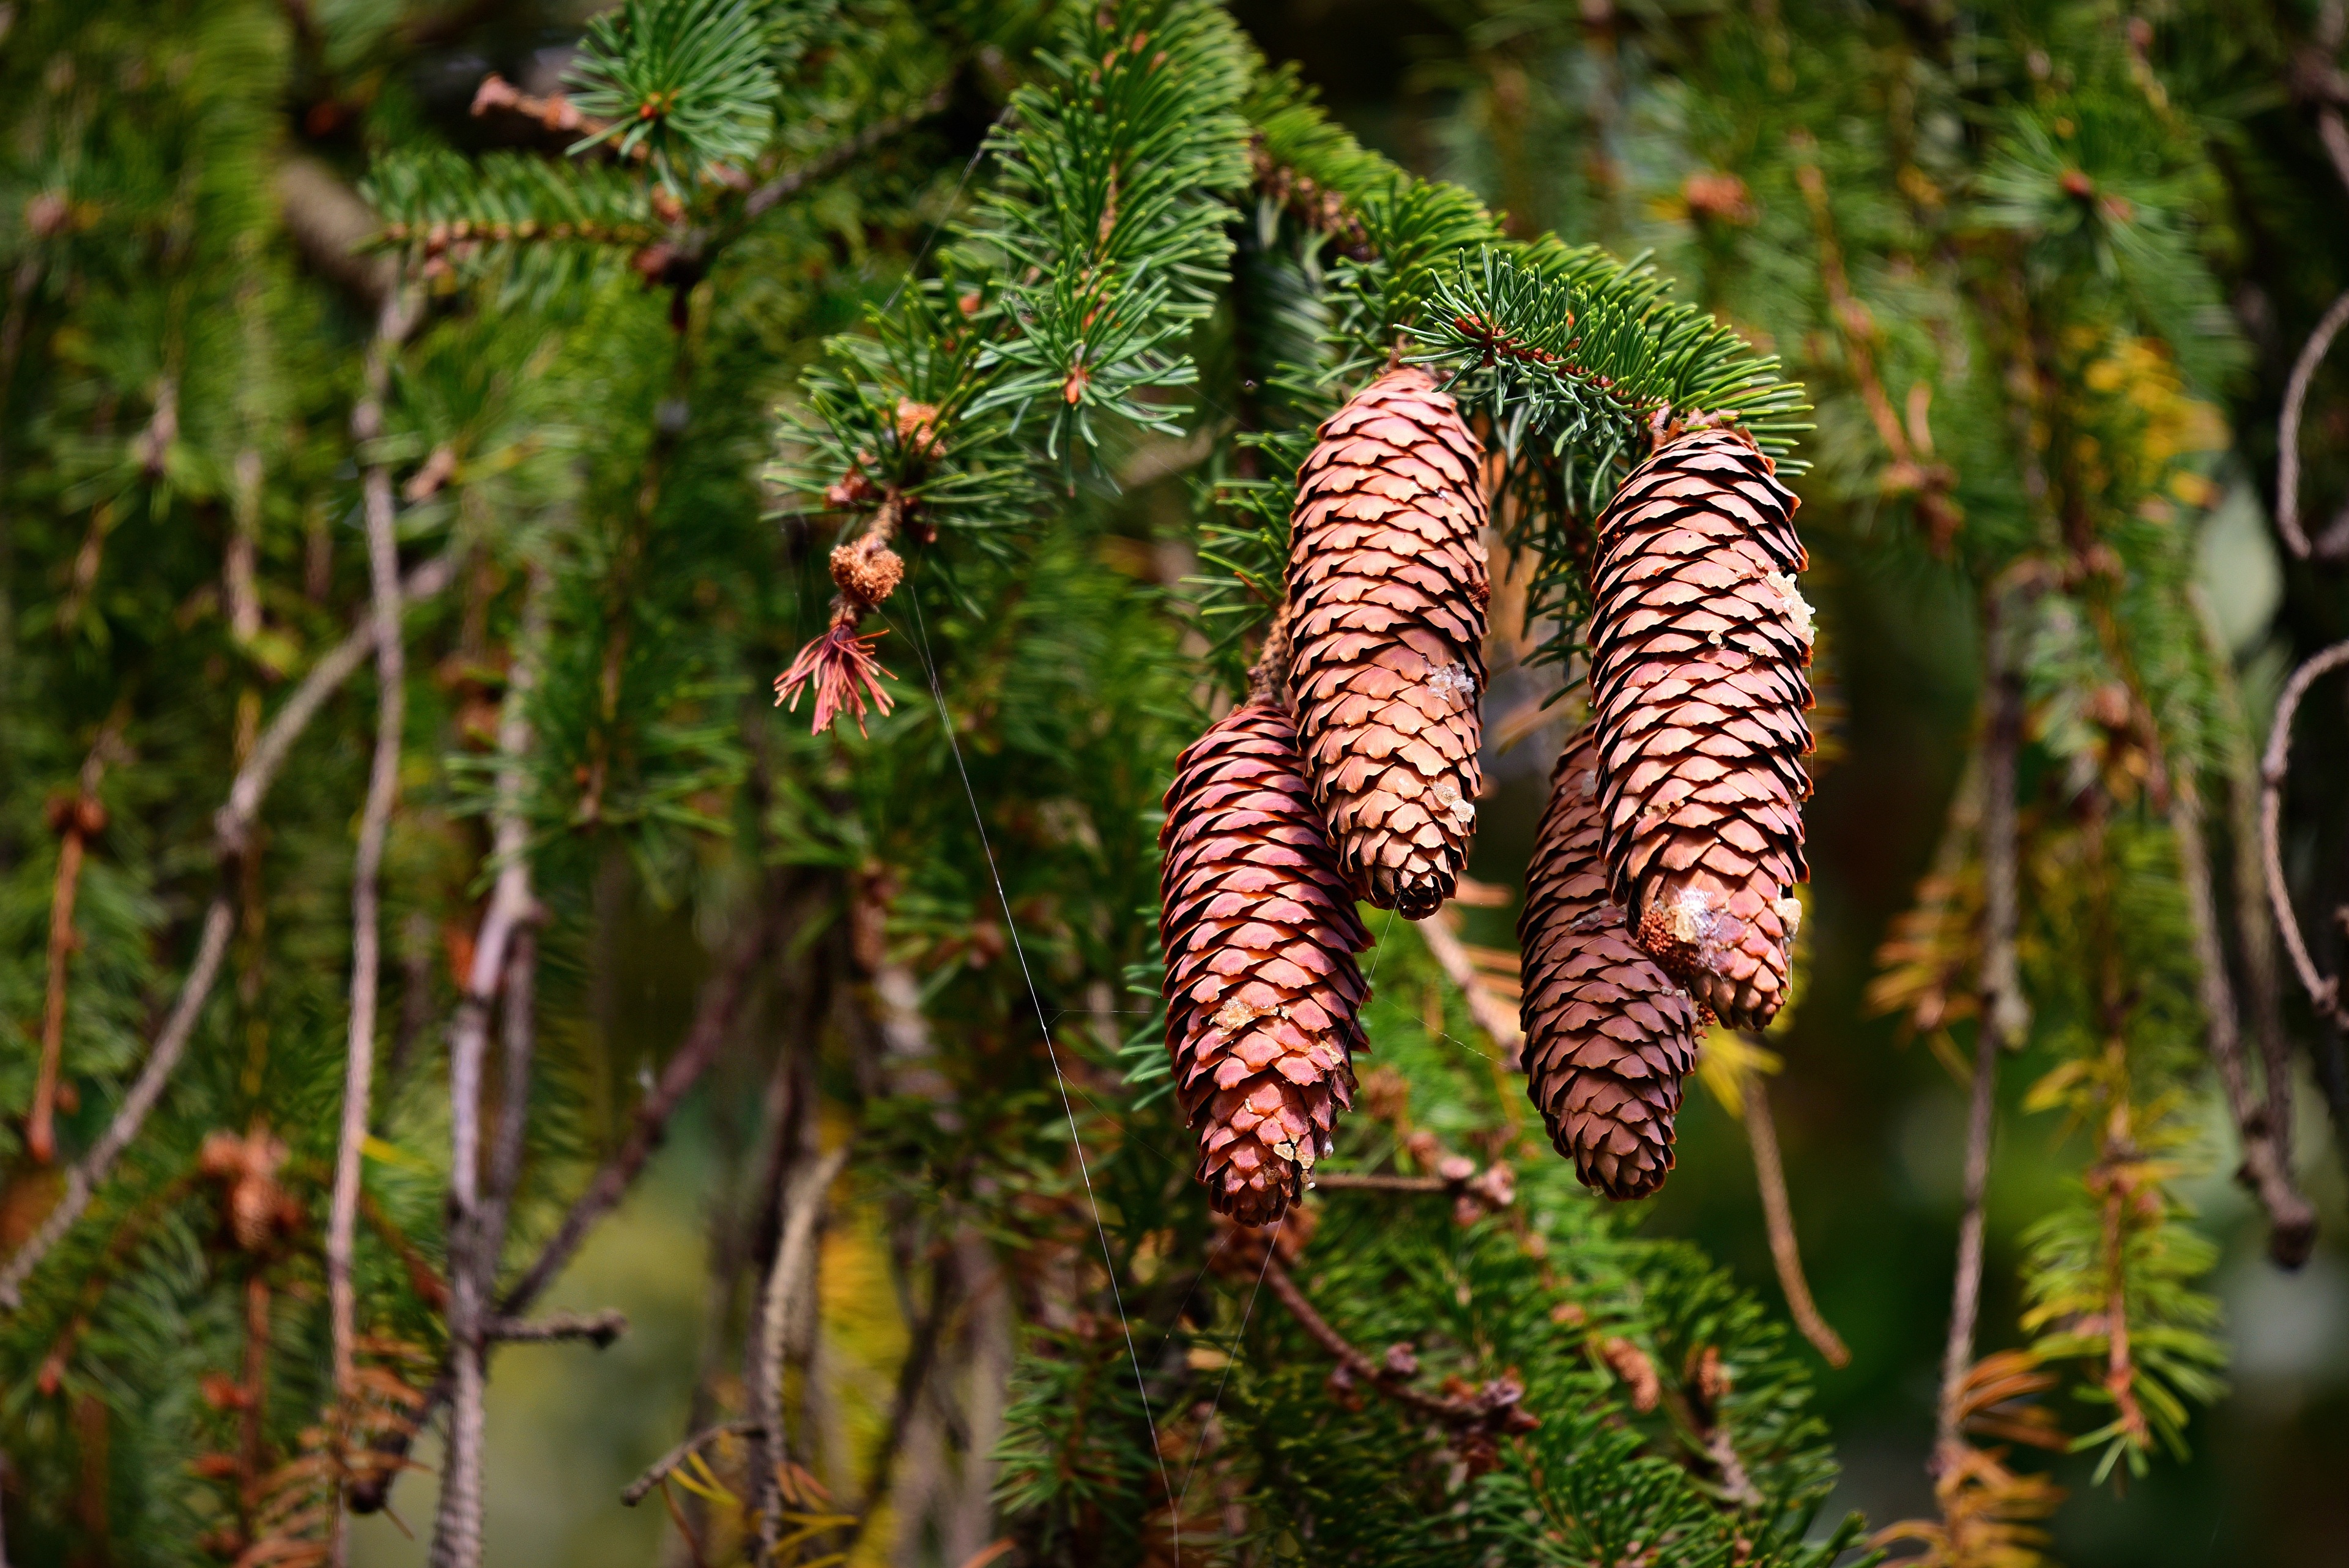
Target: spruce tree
{"points": [[813, 469]]}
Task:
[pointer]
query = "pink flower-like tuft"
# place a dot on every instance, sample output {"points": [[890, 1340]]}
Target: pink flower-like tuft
{"points": [[840, 665]]}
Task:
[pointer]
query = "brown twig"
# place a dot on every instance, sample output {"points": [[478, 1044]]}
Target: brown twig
{"points": [[399, 317], [2323, 992], [2266, 1170], [76, 820], [597, 1328], [2003, 1014], [1492, 1410], [636, 1491], [2295, 401], [1770, 1176]]}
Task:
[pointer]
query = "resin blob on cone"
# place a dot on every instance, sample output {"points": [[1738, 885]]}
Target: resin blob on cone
{"points": [[1262, 989], [1699, 643], [1386, 590], [1608, 1036]]}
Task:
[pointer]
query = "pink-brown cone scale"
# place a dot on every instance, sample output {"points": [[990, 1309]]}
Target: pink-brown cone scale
{"points": [[1387, 591], [1263, 993], [1699, 645], [1608, 1034]]}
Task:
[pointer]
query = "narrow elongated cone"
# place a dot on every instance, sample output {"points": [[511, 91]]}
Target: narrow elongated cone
{"points": [[1699, 642], [1262, 990], [1608, 1034], [1386, 590]]}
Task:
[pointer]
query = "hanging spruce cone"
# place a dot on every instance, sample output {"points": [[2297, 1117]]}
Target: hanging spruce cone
{"points": [[1608, 1036], [1262, 990], [1697, 644], [1387, 592]]}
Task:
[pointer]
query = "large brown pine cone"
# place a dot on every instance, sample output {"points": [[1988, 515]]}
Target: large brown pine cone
{"points": [[1262, 990], [1387, 591], [1698, 645], [1608, 1036]]}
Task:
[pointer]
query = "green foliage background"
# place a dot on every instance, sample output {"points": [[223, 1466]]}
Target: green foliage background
{"points": [[2013, 287]]}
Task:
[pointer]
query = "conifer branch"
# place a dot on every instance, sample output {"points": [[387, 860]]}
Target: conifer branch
{"points": [[1493, 1411], [233, 831], [2324, 990]]}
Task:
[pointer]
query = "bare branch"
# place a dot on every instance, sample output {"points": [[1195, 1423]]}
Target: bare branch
{"points": [[2292, 1220], [83, 1179], [1770, 1176], [597, 1328], [795, 1254], [2295, 401], [399, 315], [2323, 993], [2004, 1016], [476, 1229], [637, 1490]]}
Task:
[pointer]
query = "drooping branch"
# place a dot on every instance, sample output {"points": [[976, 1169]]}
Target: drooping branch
{"points": [[476, 1226], [2003, 1015], [2291, 1218], [2324, 990], [2295, 402], [795, 1254], [399, 317], [1770, 1176], [232, 831]]}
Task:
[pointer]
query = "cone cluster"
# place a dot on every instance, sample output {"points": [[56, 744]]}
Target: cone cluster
{"points": [[1699, 645], [1387, 592], [1661, 886], [1608, 1036], [1262, 990]]}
